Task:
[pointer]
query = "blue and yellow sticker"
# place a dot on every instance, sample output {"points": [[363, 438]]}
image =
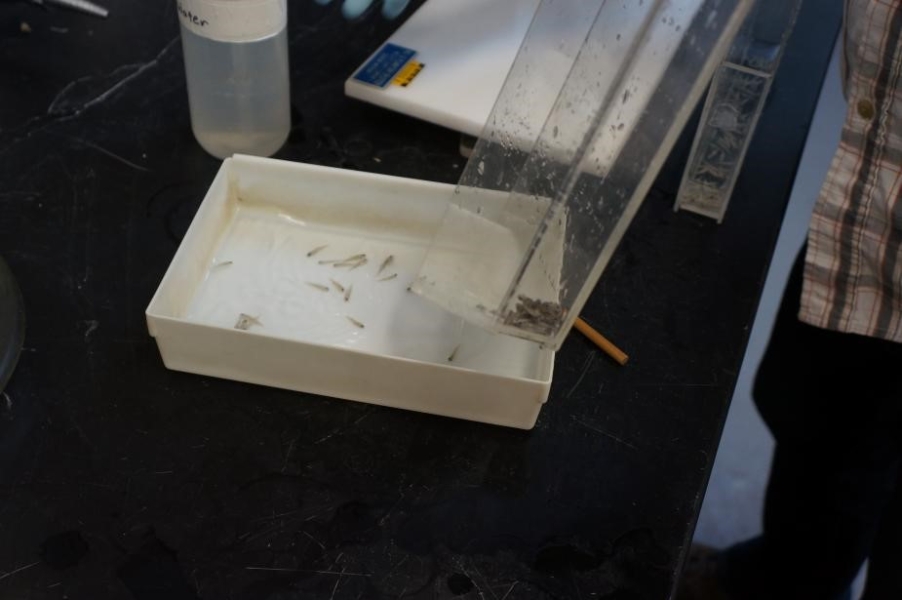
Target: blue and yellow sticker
{"points": [[407, 74], [385, 66]]}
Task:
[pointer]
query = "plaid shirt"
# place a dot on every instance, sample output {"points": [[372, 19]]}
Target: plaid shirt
{"points": [[853, 268]]}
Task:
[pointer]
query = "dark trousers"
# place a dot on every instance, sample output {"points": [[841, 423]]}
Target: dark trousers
{"points": [[833, 402]]}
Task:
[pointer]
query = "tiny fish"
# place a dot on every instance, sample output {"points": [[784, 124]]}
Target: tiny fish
{"points": [[245, 321], [354, 258], [317, 250], [453, 354], [385, 264], [420, 278], [318, 286], [338, 286], [388, 278], [348, 293], [224, 263], [354, 263], [356, 322], [329, 262]]}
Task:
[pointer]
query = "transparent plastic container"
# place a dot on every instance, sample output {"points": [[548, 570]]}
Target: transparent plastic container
{"points": [[236, 66], [734, 105], [590, 109]]}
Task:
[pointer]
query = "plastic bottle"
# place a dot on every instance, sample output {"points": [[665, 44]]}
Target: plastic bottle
{"points": [[236, 66]]}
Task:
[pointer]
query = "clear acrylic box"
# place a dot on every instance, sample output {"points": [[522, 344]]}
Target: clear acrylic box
{"points": [[590, 110], [735, 102]]}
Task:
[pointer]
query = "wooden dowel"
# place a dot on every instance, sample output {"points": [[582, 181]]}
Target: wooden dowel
{"points": [[602, 342]]}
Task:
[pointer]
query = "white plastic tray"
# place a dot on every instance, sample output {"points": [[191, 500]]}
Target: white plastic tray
{"points": [[246, 253]]}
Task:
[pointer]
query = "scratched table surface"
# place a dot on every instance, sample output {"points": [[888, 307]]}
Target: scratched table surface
{"points": [[121, 479]]}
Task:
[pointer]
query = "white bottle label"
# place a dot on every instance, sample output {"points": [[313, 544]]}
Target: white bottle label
{"points": [[233, 20]]}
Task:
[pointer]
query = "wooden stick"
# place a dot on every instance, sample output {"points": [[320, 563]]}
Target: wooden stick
{"points": [[602, 342]]}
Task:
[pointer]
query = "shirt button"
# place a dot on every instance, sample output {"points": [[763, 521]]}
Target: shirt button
{"points": [[866, 109]]}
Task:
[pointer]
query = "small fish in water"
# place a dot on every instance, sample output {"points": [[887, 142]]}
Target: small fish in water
{"points": [[453, 354], [318, 286], [359, 263], [338, 286], [351, 259], [224, 263], [388, 278], [420, 278], [317, 250], [356, 322], [351, 263], [331, 261], [348, 293], [385, 264], [246, 321]]}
